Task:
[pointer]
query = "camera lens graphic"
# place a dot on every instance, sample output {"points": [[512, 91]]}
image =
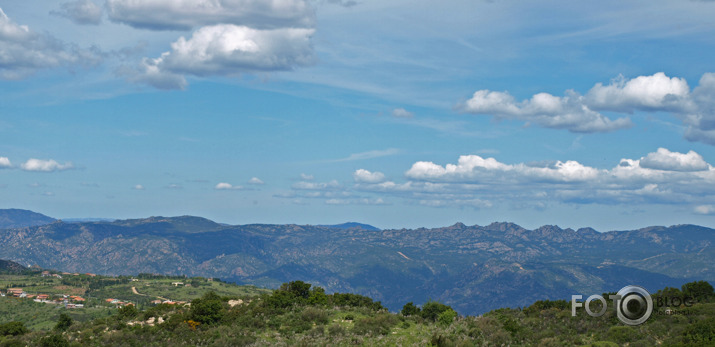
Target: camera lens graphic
{"points": [[635, 305]]}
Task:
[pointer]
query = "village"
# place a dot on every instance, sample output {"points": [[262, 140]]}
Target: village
{"points": [[76, 301]]}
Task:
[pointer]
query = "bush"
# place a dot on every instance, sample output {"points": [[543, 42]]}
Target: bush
{"points": [[314, 314], [432, 309], [12, 343], [700, 333], [623, 334], [354, 300], [447, 317], [54, 341], [378, 325], [13, 328], [336, 330]]}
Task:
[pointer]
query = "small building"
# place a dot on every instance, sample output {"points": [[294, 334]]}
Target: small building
{"points": [[46, 273], [176, 284], [156, 302], [14, 291]]}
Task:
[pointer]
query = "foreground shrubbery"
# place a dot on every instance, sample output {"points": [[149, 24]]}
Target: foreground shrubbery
{"points": [[299, 314]]}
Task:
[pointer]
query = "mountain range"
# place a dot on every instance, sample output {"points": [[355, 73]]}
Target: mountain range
{"points": [[471, 268]]}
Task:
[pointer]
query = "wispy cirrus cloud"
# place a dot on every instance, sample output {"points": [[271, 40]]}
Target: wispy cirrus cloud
{"points": [[82, 12], [369, 155], [187, 14]]}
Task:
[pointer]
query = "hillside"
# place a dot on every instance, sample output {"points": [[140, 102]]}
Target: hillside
{"points": [[16, 218], [11, 267], [472, 268], [299, 314], [42, 294]]}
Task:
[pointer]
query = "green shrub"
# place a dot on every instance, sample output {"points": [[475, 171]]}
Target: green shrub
{"points": [[13, 328], [700, 333], [432, 309], [12, 343], [54, 341], [336, 330], [381, 324], [316, 315], [447, 317]]}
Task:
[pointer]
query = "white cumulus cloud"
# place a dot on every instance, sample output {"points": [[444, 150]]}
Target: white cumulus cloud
{"points": [[5, 163], [581, 113], [255, 181], [643, 92], [365, 176], [227, 50], [568, 112], [664, 159], [661, 177], [49, 165]]}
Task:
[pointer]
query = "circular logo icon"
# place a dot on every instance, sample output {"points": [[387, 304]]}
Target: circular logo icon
{"points": [[635, 305]]}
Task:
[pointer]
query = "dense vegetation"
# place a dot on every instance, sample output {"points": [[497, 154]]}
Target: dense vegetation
{"points": [[301, 314]]}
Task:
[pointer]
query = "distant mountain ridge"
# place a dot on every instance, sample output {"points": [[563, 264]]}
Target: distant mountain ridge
{"points": [[351, 225], [17, 218], [472, 268]]}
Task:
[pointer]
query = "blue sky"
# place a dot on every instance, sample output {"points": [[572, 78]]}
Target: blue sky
{"points": [[393, 113]]}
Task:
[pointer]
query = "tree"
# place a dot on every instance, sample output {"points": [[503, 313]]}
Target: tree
{"points": [[299, 289], [432, 309], [128, 311], [318, 296], [208, 309], [410, 309], [700, 290], [64, 322]]}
